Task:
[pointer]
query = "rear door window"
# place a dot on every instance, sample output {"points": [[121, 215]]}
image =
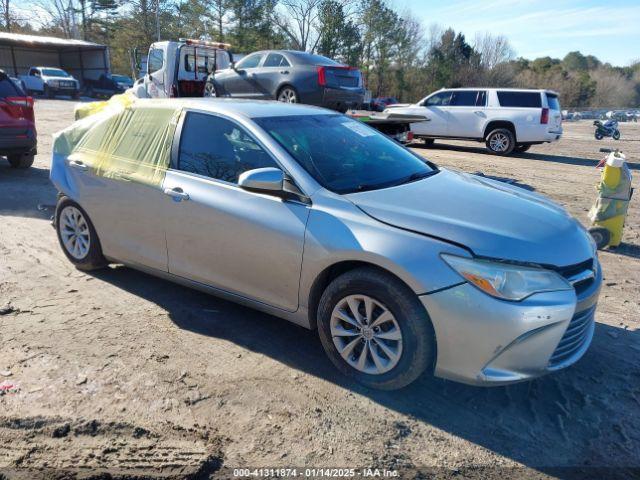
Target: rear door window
{"points": [[276, 60], [554, 103], [465, 98], [218, 148], [519, 99]]}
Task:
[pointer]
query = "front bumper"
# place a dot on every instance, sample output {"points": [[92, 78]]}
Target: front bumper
{"points": [[485, 341]]}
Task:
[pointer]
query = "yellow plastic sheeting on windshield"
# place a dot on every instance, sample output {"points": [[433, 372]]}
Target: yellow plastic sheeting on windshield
{"points": [[134, 144]]}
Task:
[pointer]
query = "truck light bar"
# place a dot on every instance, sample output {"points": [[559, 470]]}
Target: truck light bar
{"points": [[204, 43]]}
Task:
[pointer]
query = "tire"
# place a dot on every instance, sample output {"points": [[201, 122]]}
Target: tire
{"points": [[616, 135], [601, 236], [415, 350], [48, 92], [598, 136], [21, 161], [500, 141], [209, 90], [522, 148], [428, 142], [84, 258], [288, 95]]}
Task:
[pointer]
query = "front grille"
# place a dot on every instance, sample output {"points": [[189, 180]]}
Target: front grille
{"points": [[574, 338], [573, 274]]}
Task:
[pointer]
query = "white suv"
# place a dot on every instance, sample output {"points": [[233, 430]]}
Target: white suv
{"points": [[505, 119]]}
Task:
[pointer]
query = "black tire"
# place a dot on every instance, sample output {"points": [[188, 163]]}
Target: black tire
{"points": [[21, 161], [428, 142], [48, 92], [616, 135], [598, 136], [505, 146], [601, 236], [209, 90], [290, 93], [418, 337], [93, 259], [522, 148]]}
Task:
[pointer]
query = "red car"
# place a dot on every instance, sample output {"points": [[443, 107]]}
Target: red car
{"points": [[18, 138]]}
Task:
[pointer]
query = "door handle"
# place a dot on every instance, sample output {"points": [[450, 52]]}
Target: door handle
{"points": [[284, 72], [479, 112], [177, 194], [77, 164]]}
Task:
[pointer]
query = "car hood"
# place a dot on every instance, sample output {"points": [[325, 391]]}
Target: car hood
{"points": [[491, 218]]}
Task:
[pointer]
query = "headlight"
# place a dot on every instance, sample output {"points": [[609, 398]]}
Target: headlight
{"points": [[506, 281]]}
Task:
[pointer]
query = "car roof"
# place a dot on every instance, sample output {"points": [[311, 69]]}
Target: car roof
{"points": [[504, 89], [246, 108]]}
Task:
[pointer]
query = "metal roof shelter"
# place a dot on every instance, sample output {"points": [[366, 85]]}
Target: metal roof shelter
{"points": [[81, 59]]}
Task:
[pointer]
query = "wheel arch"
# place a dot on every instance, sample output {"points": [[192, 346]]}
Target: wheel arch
{"points": [[330, 273], [493, 124], [284, 85]]}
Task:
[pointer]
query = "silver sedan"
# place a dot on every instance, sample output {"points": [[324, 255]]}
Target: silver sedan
{"points": [[401, 266]]}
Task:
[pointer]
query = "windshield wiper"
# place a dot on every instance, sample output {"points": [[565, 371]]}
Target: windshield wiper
{"points": [[414, 177]]}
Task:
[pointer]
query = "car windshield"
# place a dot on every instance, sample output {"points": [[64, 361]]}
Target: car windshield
{"points": [[121, 78], [54, 72], [345, 155]]}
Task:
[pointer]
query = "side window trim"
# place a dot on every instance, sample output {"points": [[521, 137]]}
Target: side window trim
{"points": [[177, 139]]}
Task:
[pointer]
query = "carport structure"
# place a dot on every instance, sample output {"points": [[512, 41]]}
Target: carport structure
{"points": [[81, 59]]}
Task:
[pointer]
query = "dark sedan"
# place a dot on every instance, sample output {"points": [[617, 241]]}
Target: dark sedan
{"points": [[292, 77]]}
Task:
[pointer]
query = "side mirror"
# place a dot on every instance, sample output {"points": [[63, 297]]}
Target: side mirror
{"points": [[265, 180]]}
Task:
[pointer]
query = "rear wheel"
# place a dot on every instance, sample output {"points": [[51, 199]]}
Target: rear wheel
{"points": [[210, 90], [616, 135], [598, 136], [375, 330], [288, 95], [601, 236], [77, 237], [500, 141], [21, 161]]}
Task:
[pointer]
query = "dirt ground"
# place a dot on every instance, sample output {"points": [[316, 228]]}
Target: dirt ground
{"points": [[116, 371]]}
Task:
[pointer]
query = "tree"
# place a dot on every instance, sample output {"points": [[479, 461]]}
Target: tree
{"points": [[297, 20]]}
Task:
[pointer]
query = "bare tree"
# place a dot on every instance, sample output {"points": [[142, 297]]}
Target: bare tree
{"points": [[613, 90], [6, 13], [494, 49], [298, 21]]}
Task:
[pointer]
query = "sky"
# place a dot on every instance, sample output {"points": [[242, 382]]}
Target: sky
{"points": [[608, 29]]}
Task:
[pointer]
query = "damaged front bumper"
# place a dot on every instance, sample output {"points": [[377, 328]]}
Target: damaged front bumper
{"points": [[485, 341]]}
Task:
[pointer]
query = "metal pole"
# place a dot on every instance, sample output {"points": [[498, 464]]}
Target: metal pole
{"points": [[158, 18]]}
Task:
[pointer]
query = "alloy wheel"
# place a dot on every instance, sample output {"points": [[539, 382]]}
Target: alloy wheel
{"points": [[499, 142], [287, 95], [74, 231], [366, 334]]}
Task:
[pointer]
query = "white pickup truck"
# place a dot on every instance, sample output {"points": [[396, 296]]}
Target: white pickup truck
{"points": [[505, 119], [50, 81]]}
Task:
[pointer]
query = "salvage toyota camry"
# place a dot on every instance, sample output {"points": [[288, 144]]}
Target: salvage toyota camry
{"points": [[401, 266]]}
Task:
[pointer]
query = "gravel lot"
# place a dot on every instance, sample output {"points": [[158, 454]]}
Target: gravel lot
{"points": [[120, 372]]}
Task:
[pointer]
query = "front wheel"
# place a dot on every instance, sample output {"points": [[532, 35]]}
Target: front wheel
{"points": [[288, 95], [616, 135], [48, 92], [601, 236], [500, 141], [522, 148], [375, 330], [77, 236], [22, 161]]}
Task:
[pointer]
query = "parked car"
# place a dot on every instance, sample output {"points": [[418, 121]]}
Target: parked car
{"points": [[122, 81], [171, 70], [50, 81], [292, 77], [506, 120], [380, 103], [18, 137], [105, 86], [407, 267]]}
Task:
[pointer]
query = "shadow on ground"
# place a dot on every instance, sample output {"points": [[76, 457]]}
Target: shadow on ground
{"points": [[26, 193], [579, 161], [586, 416]]}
